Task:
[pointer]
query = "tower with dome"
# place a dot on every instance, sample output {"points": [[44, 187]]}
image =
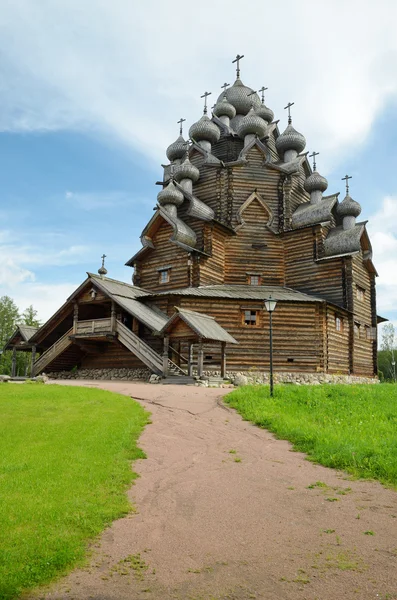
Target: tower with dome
{"points": [[242, 215]]}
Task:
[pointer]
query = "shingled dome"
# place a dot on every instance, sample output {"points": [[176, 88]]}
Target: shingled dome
{"points": [[224, 109], [204, 129], [315, 182], [170, 195], [238, 95], [290, 139], [265, 113], [348, 207], [177, 149], [251, 123], [186, 171]]}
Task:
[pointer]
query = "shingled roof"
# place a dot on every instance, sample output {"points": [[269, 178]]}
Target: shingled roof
{"points": [[203, 325]]}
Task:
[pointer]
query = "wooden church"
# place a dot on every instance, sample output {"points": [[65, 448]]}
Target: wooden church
{"points": [[241, 217]]}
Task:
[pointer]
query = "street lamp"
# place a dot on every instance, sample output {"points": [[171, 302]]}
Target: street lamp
{"points": [[270, 306]]}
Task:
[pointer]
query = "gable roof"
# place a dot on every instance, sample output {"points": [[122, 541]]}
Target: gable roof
{"points": [[203, 325], [26, 332]]}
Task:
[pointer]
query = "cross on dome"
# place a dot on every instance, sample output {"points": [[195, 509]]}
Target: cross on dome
{"points": [[205, 96], [224, 86], [346, 179], [237, 60], [251, 94], [289, 111], [181, 120], [102, 270], [262, 90], [313, 155]]}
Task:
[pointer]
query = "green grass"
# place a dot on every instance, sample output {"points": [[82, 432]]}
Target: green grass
{"points": [[65, 466], [349, 427]]}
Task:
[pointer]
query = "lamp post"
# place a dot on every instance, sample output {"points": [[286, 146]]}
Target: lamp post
{"points": [[270, 306]]}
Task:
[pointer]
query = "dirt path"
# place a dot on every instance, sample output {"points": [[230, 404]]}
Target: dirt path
{"points": [[225, 511]]}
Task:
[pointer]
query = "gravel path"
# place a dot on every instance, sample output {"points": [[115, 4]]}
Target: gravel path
{"points": [[225, 511]]}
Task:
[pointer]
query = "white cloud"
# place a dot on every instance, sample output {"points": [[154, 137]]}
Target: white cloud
{"points": [[46, 298], [382, 227], [130, 70]]}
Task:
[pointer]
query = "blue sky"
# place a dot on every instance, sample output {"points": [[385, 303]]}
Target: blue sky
{"points": [[90, 96]]}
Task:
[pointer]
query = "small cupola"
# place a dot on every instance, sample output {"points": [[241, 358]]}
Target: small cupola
{"points": [[315, 184], [102, 269], [264, 112], [251, 126], [290, 143], [186, 174], [223, 109], [170, 198], [348, 209], [205, 132]]}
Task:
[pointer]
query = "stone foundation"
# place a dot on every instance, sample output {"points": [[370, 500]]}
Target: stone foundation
{"points": [[237, 378], [257, 378], [120, 374]]}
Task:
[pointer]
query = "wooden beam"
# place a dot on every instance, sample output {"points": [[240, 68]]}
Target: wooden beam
{"points": [[223, 360], [165, 356], [190, 361], [33, 358], [14, 362], [200, 358], [75, 316], [113, 317]]}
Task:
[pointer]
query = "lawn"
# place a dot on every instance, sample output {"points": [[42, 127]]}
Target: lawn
{"points": [[65, 466], [349, 427]]}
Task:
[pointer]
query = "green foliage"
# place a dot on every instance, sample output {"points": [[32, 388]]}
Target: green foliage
{"points": [[388, 354], [349, 427], [10, 318], [65, 465]]}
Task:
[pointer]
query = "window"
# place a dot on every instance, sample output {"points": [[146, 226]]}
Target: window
{"points": [[254, 279], [360, 293], [250, 318], [164, 276], [339, 324]]}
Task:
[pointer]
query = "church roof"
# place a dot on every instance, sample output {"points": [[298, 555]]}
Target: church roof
{"points": [[203, 325], [243, 292], [310, 214]]}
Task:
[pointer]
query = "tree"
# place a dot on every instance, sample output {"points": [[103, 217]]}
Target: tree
{"points": [[10, 318], [387, 356], [9, 321], [29, 317]]}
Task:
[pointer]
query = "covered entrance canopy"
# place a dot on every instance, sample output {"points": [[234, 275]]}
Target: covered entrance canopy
{"points": [[20, 342], [195, 328]]}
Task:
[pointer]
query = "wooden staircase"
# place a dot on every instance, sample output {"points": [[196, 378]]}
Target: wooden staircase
{"points": [[130, 340], [145, 353], [52, 353]]}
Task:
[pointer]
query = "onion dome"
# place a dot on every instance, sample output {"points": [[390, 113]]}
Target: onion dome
{"points": [[102, 270], [186, 171], [204, 129], [170, 195], [238, 96], [224, 108], [177, 149], [251, 123], [290, 139], [265, 113], [315, 182], [348, 207]]}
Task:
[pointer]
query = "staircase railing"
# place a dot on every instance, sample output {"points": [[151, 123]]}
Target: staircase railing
{"points": [[52, 352], [141, 349]]}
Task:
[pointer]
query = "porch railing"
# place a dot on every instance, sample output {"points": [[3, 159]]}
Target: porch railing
{"points": [[93, 326]]}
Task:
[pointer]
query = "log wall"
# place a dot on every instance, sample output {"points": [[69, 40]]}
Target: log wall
{"points": [[113, 355], [337, 342]]}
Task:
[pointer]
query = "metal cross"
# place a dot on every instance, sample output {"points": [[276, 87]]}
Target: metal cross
{"points": [[314, 158], [224, 86], [103, 259], [262, 90], [289, 111], [237, 60], [205, 95], [180, 125], [346, 178]]}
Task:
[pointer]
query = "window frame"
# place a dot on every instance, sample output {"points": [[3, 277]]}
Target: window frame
{"points": [[252, 276], [338, 324], [166, 273], [248, 321], [360, 293]]}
